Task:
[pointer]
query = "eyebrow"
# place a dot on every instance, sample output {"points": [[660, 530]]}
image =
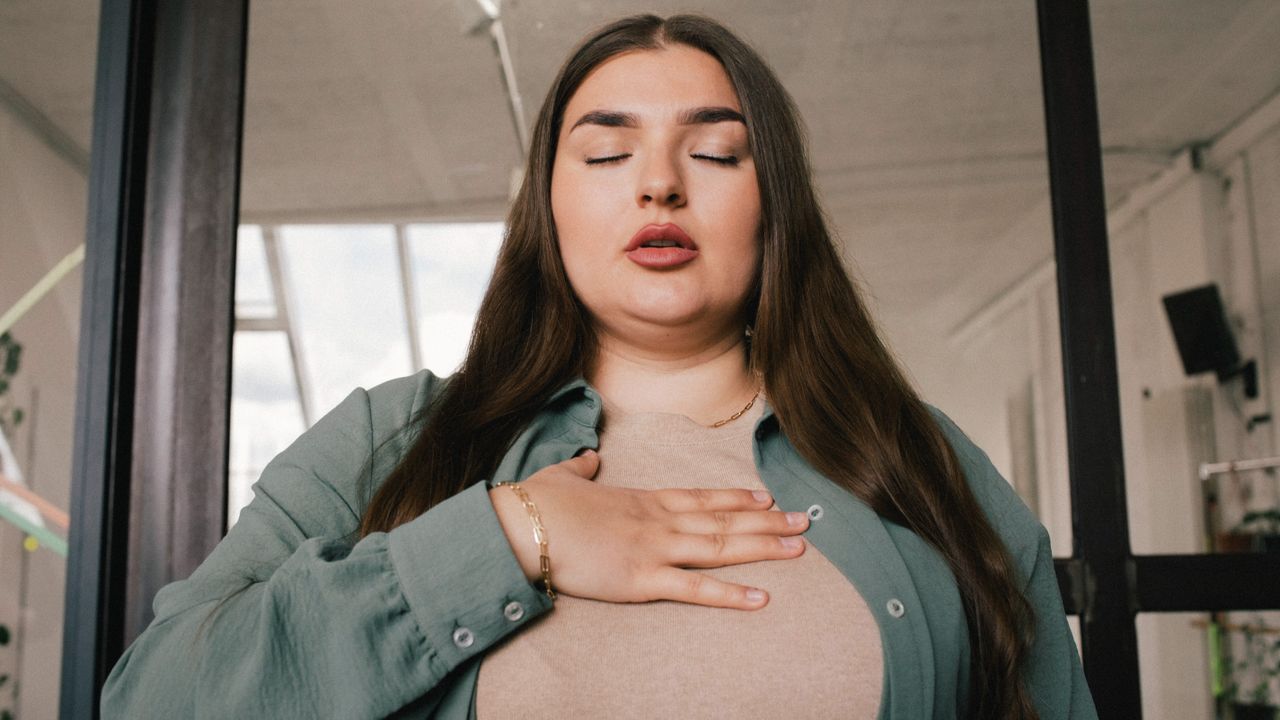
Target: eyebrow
{"points": [[691, 116]]}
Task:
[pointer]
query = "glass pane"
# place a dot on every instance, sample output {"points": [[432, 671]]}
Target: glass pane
{"points": [[926, 134], [928, 145], [265, 413], [347, 307], [378, 155], [47, 55], [1181, 661], [1190, 120], [254, 297], [452, 263]]}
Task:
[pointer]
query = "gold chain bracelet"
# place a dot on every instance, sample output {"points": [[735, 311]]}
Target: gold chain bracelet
{"points": [[539, 534]]}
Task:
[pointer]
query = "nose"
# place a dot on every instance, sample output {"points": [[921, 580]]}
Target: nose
{"points": [[661, 183]]}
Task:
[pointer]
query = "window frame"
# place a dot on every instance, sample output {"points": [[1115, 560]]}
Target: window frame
{"points": [[145, 128]]}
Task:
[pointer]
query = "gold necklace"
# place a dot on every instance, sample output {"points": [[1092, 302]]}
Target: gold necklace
{"points": [[738, 414]]}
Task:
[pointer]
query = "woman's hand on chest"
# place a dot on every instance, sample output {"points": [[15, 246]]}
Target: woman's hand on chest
{"points": [[628, 545]]}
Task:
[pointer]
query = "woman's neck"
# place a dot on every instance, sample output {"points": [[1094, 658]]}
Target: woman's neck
{"points": [[707, 384]]}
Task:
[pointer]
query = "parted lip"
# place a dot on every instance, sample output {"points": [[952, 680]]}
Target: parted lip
{"points": [[670, 231]]}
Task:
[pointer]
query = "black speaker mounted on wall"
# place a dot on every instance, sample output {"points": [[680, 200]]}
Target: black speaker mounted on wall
{"points": [[1204, 337]]}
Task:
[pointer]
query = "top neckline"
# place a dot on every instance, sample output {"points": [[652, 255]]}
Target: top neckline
{"points": [[667, 428]]}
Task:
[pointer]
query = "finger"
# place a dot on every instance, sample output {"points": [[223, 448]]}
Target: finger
{"points": [[699, 589], [704, 499], [745, 522], [585, 465], [718, 550]]}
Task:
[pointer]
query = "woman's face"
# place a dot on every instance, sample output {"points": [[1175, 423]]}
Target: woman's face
{"points": [[656, 138]]}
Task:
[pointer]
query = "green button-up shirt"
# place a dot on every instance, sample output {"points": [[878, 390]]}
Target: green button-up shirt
{"points": [[314, 624]]}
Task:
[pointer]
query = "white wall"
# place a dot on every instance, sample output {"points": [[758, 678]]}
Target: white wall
{"points": [[1004, 352], [1188, 226], [42, 218]]}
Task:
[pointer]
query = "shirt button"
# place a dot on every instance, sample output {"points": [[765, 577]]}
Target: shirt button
{"points": [[463, 637], [590, 402], [895, 607], [514, 611], [815, 512]]}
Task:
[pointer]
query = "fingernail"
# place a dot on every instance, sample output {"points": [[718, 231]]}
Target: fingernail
{"points": [[795, 519], [755, 595], [760, 495], [791, 542]]}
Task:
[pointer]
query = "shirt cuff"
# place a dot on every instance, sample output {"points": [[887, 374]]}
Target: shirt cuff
{"points": [[461, 578]]}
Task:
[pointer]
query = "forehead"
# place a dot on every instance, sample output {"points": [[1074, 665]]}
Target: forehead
{"points": [[654, 83]]}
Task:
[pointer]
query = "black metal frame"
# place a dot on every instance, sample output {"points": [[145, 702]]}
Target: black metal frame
{"points": [[93, 630], [179, 478], [1104, 582], [149, 477], [1100, 521], [153, 134]]}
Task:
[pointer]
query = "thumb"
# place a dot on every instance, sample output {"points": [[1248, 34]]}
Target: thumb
{"points": [[585, 463]]}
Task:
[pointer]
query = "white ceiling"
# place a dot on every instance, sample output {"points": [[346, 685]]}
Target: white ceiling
{"points": [[925, 117]]}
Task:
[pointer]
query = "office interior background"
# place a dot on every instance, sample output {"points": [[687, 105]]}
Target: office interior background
{"points": [[381, 142]]}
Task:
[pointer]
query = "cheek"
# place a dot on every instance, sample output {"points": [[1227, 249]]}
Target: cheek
{"points": [[573, 223], [743, 214], [735, 205]]}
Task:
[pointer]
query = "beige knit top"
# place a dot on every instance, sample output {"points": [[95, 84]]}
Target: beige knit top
{"points": [[812, 652]]}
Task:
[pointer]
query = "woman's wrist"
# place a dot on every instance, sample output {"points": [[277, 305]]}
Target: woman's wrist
{"points": [[515, 524], [539, 534]]}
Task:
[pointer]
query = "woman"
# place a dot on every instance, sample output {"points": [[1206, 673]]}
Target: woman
{"points": [[668, 356]]}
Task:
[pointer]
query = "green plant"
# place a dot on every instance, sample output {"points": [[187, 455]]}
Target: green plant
{"points": [[1260, 522], [10, 360], [1251, 676], [1260, 529]]}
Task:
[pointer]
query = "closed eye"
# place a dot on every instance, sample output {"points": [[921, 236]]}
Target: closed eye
{"points": [[606, 160], [726, 160]]}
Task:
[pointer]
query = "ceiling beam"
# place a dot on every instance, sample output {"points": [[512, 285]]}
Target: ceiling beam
{"points": [[30, 116], [472, 210]]}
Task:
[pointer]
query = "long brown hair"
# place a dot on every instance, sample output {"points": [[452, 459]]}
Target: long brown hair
{"points": [[837, 391]]}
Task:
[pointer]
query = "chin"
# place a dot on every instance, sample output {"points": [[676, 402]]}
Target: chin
{"points": [[668, 316]]}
